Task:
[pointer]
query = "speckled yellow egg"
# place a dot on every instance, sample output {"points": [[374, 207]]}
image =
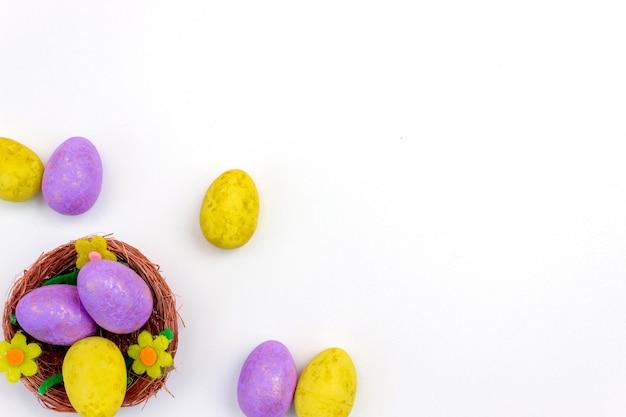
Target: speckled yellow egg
{"points": [[230, 210], [94, 374], [20, 171], [327, 386]]}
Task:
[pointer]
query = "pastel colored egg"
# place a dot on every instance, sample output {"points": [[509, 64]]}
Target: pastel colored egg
{"points": [[230, 210], [94, 374], [114, 295], [327, 386], [54, 314], [267, 381], [20, 171], [72, 178]]}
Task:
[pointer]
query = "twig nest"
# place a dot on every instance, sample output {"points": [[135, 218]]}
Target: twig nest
{"points": [[39, 357]]}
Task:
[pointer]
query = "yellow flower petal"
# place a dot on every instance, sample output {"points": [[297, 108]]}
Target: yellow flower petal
{"points": [[28, 368], [82, 249], [13, 374], [134, 351], [32, 351], [138, 367], [19, 341], [4, 366], [4, 347], [154, 371], [82, 245], [165, 359], [144, 339], [160, 343]]}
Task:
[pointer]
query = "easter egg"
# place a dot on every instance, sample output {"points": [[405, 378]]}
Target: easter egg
{"points": [[94, 374], [54, 314], [20, 171], [72, 178], [267, 381], [230, 210], [114, 295], [327, 386]]}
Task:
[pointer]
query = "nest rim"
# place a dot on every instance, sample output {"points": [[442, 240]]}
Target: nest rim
{"points": [[62, 260]]}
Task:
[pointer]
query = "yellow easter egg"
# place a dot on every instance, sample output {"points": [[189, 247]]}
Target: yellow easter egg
{"points": [[327, 386], [20, 171], [230, 210], [94, 374]]}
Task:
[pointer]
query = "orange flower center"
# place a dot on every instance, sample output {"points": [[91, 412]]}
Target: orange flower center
{"points": [[148, 356], [15, 357]]}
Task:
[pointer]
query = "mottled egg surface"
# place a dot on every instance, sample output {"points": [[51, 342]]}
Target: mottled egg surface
{"points": [[267, 381], [54, 314], [327, 386], [94, 374], [21, 171], [72, 178], [230, 210], [114, 295]]}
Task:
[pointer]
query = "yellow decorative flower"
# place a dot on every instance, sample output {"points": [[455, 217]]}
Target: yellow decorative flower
{"points": [[18, 358], [149, 354], [86, 246]]}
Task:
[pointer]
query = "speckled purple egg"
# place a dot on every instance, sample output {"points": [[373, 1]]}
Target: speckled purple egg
{"points": [[114, 295], [54, 314], [72, 178], [267, 381]]}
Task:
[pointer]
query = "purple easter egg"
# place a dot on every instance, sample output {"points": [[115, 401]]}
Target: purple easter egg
{"points": [[267, 381], [72, 178], [114, 295], [54, 314]]}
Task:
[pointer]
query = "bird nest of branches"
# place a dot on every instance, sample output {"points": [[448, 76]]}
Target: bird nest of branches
{"points": [[62, 261]]}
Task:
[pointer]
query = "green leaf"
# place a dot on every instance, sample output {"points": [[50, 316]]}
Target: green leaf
{"points": [[49, 383], [168, 333], [69, 279]]}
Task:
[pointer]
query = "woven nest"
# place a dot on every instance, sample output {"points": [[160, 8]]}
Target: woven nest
{"points": [[62, 260]]}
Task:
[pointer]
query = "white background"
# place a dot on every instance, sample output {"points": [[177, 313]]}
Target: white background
{"points": [[442, 185]]}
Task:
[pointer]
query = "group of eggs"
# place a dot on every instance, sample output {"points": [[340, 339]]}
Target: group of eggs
{"points": [[112, 296], [107, 295], [72, 180], [268, 383]]}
